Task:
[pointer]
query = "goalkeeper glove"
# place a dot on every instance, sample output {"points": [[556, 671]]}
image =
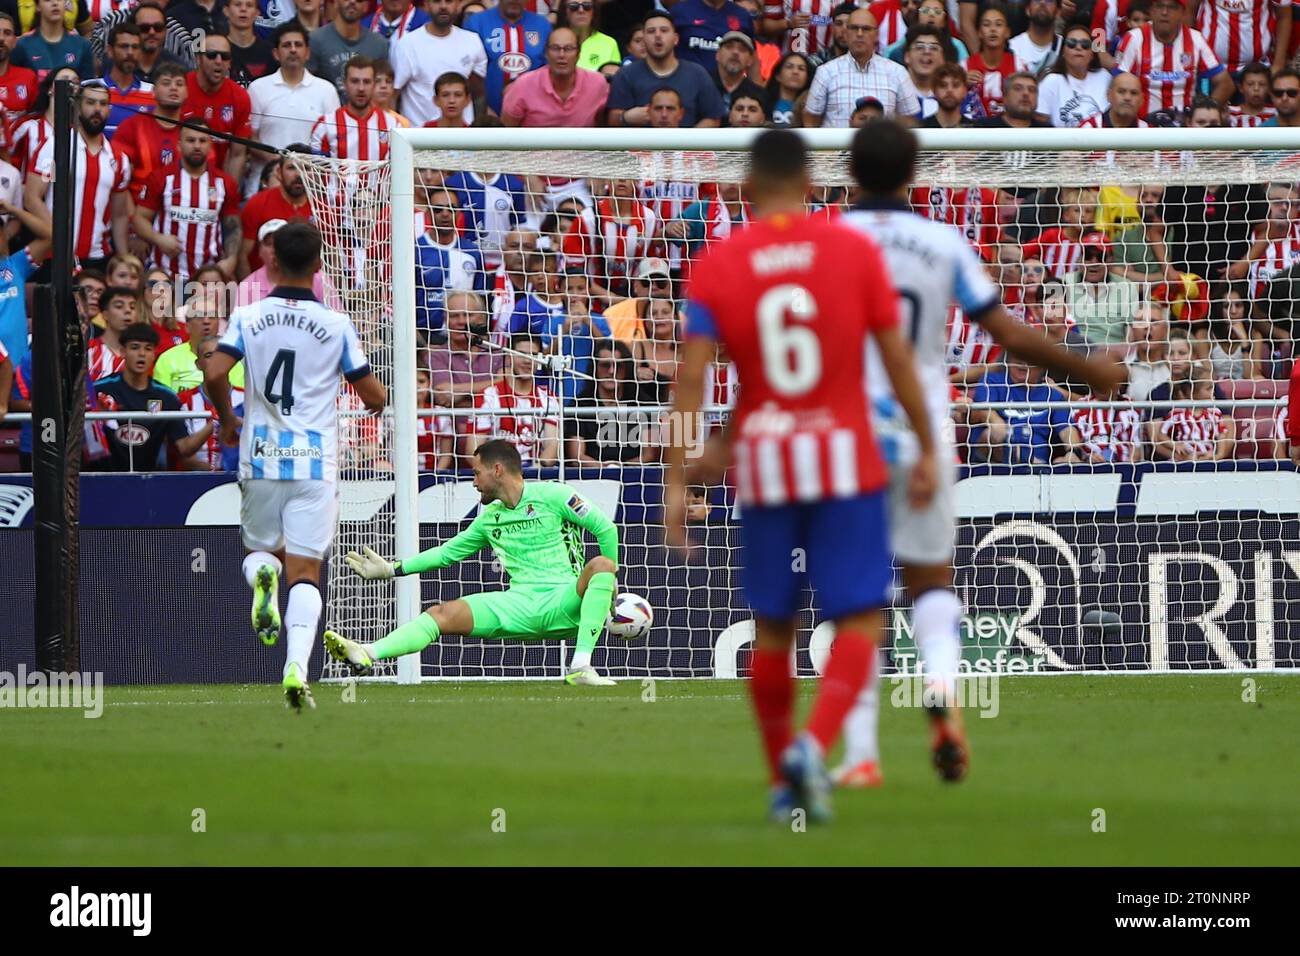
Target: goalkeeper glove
{"points": [[370, 565]]}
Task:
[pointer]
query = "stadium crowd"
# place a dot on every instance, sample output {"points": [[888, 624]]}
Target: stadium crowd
{"points": [[173, 225]]}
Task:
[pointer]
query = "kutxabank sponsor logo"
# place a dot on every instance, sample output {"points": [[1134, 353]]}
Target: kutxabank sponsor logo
{"points": [[76, 690], [265, 449]]}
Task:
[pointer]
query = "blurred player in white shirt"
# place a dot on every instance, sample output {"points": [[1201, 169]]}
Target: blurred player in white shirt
{"points": [[932, 267], [294, 351]]}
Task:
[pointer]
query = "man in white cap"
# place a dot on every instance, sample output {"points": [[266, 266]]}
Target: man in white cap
{"points": [[258, 285], [651, 279]]}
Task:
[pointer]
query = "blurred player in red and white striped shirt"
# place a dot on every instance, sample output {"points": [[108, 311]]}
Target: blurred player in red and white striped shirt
{"points": [[100, 215], [1245, 31], [794, 299], [190, 214], [1254, 108], [1169, 59], [356, 130]]}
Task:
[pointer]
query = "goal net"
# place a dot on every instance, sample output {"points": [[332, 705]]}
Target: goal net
{"points": [[528, 285]]}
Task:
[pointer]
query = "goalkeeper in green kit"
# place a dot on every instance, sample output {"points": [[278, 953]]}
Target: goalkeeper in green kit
{"points": [[535, 528]]}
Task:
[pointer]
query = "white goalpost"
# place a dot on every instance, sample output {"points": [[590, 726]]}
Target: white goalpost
{"points": [[1120, 560]]}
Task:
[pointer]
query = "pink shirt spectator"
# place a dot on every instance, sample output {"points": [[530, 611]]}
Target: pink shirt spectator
{"points": [[258, 286], [532, 100]]}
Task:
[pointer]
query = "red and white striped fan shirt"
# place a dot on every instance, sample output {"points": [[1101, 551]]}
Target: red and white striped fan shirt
{"points": [[721, 386], [1114, 434], [1059, 253], [502, 304], [99, 176], [1111, 17], [1196, 429], [933, 202], [969, 343], [817, 36], [669, 200], [532, 412], [616, 245], [191, 208], [193, 400], [344, 136], [893, 27], [428, 433], [1239, 31], [975, 213], [1238, 119], [1278, 255], [101, 360], [26, 137], [1168, 72]]}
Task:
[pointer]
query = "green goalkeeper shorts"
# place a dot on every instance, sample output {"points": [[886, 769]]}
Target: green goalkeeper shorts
{"points": [[525, 612]]}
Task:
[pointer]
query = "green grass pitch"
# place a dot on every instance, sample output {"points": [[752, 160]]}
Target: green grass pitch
{"points": [[1184, 770]]}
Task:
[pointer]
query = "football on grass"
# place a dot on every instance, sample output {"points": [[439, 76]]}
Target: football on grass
{"points": [[632, 617]]}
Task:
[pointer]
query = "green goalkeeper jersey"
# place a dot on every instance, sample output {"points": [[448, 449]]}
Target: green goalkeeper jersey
{"points": [[538, 541]]}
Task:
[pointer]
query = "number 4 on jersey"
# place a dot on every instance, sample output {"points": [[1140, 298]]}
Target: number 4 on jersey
{"points": [[282, 364]]}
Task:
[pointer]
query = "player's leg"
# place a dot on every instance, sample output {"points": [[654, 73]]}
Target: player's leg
{"points": [[595, 588], [263, 535], [852, 593], [922, 542], [308, 518], [453, 617], [771, 585], [936, 623]]}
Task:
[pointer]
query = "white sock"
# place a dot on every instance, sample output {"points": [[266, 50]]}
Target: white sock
{"points": [[861, 741], [300, 620], [255, 560], [936, 621], [580, 659]]}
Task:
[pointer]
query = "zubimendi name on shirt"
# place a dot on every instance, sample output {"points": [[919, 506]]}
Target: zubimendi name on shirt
{"points": [[290, 320]]}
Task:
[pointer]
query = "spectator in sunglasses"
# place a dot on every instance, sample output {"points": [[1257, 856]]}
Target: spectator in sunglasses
{"points": [[221, 102], [1286, 98], [1077, 87], [596, 49]]}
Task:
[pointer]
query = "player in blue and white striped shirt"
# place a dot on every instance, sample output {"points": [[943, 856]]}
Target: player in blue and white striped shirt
{"points": [[294, 350]]}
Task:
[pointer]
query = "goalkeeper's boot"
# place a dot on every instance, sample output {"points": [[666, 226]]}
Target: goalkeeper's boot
{"points": [[803, 768], [297, 695], [587, 677], [266, 605], [865, 775], [349, 653], [781, 808], [949, 750]]}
